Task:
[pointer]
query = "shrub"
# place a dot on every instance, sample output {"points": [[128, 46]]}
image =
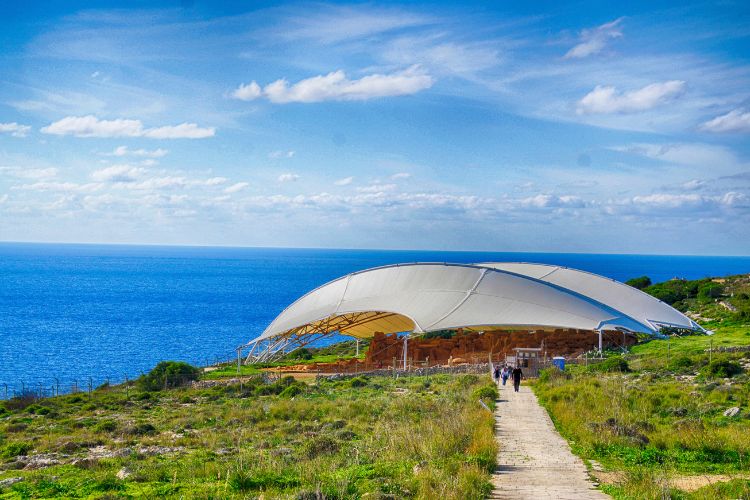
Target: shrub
{"points": [[21, 401], [168, 374], [640, 283], [358, 382], [612, 364], [681, 363], [320, 445], [710, 291], [723, 368], [12, 450], [488, 391], [291, 391], [301, 354], [552, 373], [106, 426], [141, 429]]}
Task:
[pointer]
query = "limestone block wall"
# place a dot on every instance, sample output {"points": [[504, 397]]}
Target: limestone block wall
{"points": [[473, 346]]}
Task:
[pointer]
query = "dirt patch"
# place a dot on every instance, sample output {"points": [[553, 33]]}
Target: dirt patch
{"points": [[608, 477], [684, 483], [692, 483]]}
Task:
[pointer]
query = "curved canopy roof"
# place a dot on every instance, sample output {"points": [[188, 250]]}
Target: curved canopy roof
{"points": [[644, 308], [428, 296]]}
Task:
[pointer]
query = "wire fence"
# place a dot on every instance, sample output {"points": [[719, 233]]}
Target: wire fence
{"points": [[47, 386]]}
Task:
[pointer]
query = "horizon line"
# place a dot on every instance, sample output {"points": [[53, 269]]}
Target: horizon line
{"points": [[269, 247]]}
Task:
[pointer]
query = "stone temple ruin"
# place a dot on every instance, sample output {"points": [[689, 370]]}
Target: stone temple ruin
{"points": [[476, 347]]}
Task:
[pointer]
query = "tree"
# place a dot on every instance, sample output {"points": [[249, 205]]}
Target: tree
{"points": [[640, 283]]}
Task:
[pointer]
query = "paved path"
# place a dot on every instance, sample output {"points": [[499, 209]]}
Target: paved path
{"points": [[534, 461]]}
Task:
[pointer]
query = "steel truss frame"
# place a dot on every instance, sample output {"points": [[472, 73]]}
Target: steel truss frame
{"points": [[270, 349]]}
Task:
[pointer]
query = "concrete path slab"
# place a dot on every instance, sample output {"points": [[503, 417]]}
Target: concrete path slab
{"points": [[534, 461]]}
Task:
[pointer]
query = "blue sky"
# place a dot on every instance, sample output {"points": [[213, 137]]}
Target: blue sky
{"points": [[584, 127]]}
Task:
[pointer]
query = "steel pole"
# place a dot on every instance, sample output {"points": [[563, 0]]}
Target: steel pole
{"points": [[406, 347]]}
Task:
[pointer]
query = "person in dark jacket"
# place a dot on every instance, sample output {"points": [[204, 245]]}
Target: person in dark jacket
{"points": [[517, 376], [496, 374]]}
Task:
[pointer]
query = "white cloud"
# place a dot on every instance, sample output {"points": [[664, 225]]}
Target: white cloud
{"points": [[288, 177], [60, 186], [696, 154], [156, 183], [400, 175], [593, 41], [281, 154], [215, 181], [377, 188], [118, 173], [125, 151], [91, 126], [14, 129], [181, 131], [440, 56], [30, 173], [335, 86], [606, 99], [677, 205], [344, 182], [737, 120], [552, 201], [336, 23], [247, 92], [237, 187], [693, 184]]}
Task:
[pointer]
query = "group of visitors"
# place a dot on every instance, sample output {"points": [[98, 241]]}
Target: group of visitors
{"points": [[507, 372]]}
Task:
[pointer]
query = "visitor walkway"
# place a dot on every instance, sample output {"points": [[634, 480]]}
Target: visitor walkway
{"points": [[534, 461]]}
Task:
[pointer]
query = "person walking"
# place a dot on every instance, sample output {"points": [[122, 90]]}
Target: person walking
{"points": [[517, 376], [505, 374], [496, 375]]}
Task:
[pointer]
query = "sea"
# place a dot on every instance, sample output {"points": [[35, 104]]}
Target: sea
{"points": [[76, 316]]}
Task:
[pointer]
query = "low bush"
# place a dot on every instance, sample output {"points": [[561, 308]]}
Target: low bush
{"points": [[320, 445], [106, 426], [291, 391], [12, 450], [141, 429], [168, 374], [612, 364], [722, 368], [358, 382], [487, 392]]}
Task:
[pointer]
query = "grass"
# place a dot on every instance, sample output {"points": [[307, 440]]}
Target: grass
{"points": [[412, 437], [328, 354], [662, 417]]}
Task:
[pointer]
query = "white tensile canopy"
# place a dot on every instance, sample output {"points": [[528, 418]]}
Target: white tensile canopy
{"points": [[424, 297]]}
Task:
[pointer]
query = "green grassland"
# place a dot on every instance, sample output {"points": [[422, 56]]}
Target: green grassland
{"points": [[307, 355], [652, 416], [377, 437], [656, 412]]}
